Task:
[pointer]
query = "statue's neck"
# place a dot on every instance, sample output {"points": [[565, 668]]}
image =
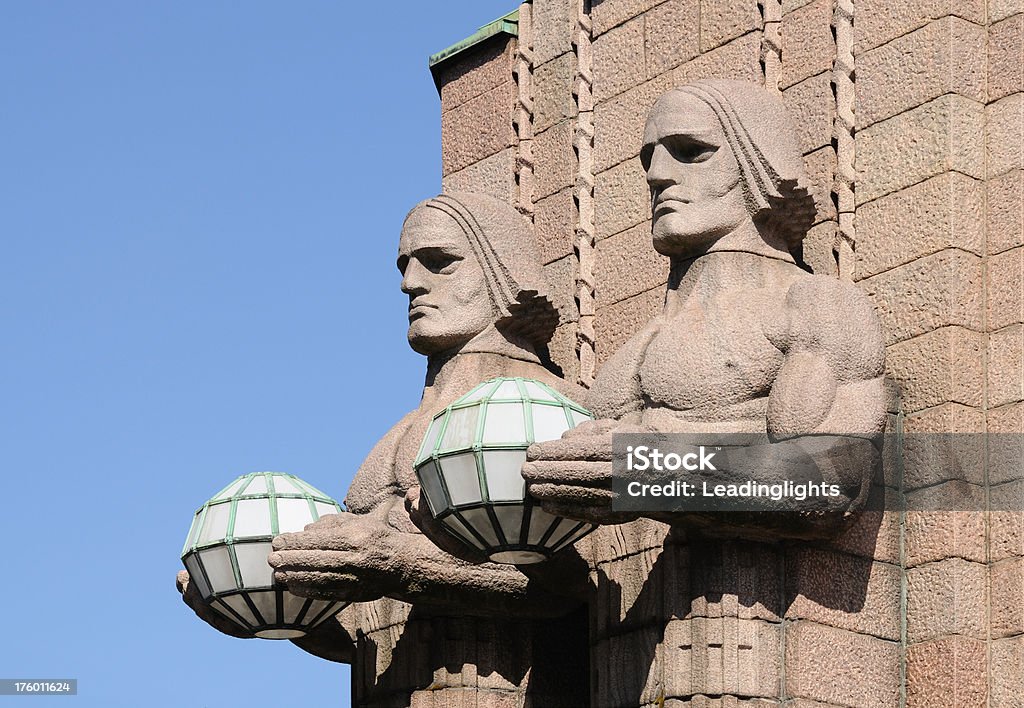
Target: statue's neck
{"points": [[484, 357]]}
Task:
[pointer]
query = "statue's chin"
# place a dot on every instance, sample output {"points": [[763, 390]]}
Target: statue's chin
{"points": [[680, 245]]}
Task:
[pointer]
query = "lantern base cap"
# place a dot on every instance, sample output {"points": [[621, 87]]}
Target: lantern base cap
{"points": [[280, 634], [517, 557]]}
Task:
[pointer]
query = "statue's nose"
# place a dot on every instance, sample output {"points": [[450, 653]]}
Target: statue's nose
{"points": [[414, 278], [663, 170]]}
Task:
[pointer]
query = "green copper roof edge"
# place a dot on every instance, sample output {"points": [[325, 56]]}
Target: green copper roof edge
{"points": [[509, 24]]}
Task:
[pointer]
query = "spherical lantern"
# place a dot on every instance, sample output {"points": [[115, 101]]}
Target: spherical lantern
{"points": [[227, 548], [469, 467]]}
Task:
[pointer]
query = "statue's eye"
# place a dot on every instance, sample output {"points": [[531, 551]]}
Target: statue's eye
{"points": [[438, 261], [685, 149]]}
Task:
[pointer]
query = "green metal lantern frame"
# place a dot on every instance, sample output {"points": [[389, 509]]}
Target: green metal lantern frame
{"points": [[303, 613], [462, 520]]}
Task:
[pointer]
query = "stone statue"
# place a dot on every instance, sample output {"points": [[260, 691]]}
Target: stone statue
{"points": [[748, 341], [422, 620]]}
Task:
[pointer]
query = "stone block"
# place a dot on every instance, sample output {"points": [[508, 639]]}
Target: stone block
{"points": [[808, 47], [873, 534], [732, 579], [619, 122], [942, 212], [553, 99], [813, 108], [554, 158], [840, 667], [950, 671], [739, 59], [1006, 534], [621, 198], [935, 291], [1005, 211], [627, 265], [1005, 276], [1001, 9], [1006, 672], [945, 134], [494, 175], [554, 25], [615, 324], [627, 668], [1006, 57], [945, 365], [1006, 365], [1006, 443], [945, 56], [879, 21], [867, 601], [476, 72], [478, 128], [944, 443], [1007, 597], [1004, 122], [821, 171], [669, 39], [619, 61], [817, 249], [561, 275], [554, 220], [947, 597], [607, 14], [562, 349], [935, 535], [722, 655], [722, 20]]}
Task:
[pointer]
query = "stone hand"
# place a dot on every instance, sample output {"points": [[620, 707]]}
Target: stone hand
{"points": [[190, 595], [572, 476], [354, 557]]}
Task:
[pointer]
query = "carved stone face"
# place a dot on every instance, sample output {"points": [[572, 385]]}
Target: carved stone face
{"points": [[448, 299], [696, 191]]}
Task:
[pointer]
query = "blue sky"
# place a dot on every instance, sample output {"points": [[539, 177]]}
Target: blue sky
{"points": [[200, 209]]}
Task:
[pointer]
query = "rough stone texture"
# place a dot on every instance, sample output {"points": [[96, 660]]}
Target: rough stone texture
{"points": [[621, 198], [944, 211], [1005, 211], [945, 56], [554, 219], [867, 601], [1005, 134], [945, 365], [494, 175], [722, 656], [821, 170], [552, 92], [1006, 365], [619, 59], [932, 455], [1006, 57], [485, 67], [1006, 684], [1000, 9], [609, 13], [627, 265], [874, 535], [931, 292], [1007, 597], [945, 134], [1006, 443], [478, 128], [807, 44], [616, 323], [937, 535], [879, 21], [1006, 534], [552, 26], [840, 667], [619, 122], [814, 109], [668, 36], [554, 159], [818, 249], [947, 597], [1005, 276], [723, 20], [562, 349], [739, 60], [562, 276], [947, 672]]}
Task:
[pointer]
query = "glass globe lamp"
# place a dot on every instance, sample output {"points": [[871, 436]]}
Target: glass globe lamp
{"points": [[469, 467], [227, 548]]}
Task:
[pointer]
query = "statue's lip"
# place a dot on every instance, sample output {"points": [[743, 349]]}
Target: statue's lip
{"points": [[667, 201], [416, 309]]}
